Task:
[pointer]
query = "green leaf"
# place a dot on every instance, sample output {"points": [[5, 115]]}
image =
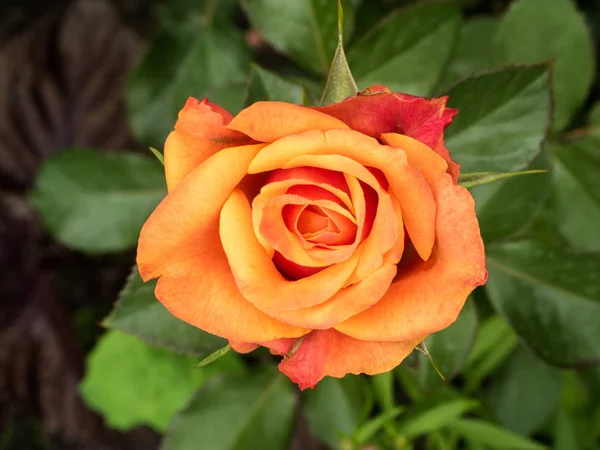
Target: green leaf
{"points": [[236, 413], [495, 343], [408, 50], [577, 191], [470, 180], [231, 96], [97, 202], [340, 82], [524, 392], [449, 348], [303, 29], [436, 417], [214, 356], [138, 312], [131, 383], [184, 59], [336, 407], [550, 297], [158, 155], [492, 436], [594, 115], [504, 116], [265, 85], [474, 51], [534, 32], [383, 386], [565, 433], [507, 208], [369, 429]]}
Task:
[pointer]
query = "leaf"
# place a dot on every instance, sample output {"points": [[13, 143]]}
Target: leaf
{"points": [[340, 82], [184, 59], [131, 383], [336, 407], [302, 29], [565, 433], [436, 417], [495, 343], [577, 192], [524, 392], [214, 356], [470, 180], [594, 115], [408, 50], [507, 208], [534, 32], [550, 297], [474, 51], [383, 387], [138, 312], [267, 86], [158, 155], [369, 429], [492, 436], [97, 202], [504, 116], [231, 96], [449, 348], [236, 413]]}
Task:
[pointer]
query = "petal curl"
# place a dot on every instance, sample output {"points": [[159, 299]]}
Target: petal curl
{"points": [[343, 305], [331, 353], [431, 165], [427, 296], [200, 132], [377, 111], [269, 121], [180, 244], [255, 274], [406, 183]]}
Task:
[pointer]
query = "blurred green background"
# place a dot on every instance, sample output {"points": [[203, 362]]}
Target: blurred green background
{"points": [[86, 86]]}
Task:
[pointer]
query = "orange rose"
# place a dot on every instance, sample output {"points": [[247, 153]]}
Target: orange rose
{"points": [[335, 235]]}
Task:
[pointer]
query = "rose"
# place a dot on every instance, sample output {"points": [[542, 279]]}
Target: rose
{"points": [[335, 236]]}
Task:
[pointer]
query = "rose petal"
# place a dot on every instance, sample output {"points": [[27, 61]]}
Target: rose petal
{"points": [[269, 121], [406, 183], [199, 133], [428, 296], [383, 229], [180, 244], [343, 305], [384, 112], [255, 274], [273, 230], [431, 165], [331, 353]]}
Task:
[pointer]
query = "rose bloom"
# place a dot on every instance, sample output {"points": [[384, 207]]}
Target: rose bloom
{"points": [[335, 236]]}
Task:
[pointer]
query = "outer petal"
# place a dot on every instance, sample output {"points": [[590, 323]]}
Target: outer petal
{"points": [[331, 353], [407, 184], [419, 156], [199, 133], [255, 274], [343, 305], [269, 121], [377, 111], [427, 296], [180, 244]]}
